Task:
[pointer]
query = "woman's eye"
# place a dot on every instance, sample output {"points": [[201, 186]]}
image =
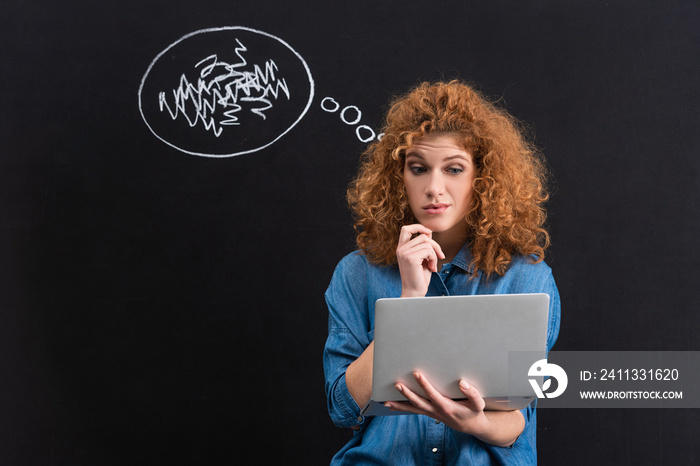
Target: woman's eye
{"points": [[417, 169], [455, 170]]}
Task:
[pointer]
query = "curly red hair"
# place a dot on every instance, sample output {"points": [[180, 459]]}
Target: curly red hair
{"points": [[507, 215]]}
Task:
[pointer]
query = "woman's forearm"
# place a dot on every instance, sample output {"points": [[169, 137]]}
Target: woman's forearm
{"points": [[358, 377]]}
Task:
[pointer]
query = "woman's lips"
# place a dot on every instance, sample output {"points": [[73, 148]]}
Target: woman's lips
{"points": [[434, 209]]}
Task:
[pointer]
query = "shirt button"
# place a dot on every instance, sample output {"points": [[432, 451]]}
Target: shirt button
{"points": [[437, 422], [359, 418], [434, 450]]}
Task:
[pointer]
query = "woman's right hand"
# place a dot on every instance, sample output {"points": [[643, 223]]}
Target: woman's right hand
{"points": [[417, 258]]}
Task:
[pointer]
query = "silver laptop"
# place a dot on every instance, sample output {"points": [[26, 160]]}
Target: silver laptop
{"points": [[488, 340]]}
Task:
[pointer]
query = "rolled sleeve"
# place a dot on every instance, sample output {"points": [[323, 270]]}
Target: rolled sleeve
{"points": [[338, 355], [342, 407], [348, 337]]}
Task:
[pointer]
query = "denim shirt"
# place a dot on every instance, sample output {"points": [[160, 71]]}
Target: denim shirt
{"points": [[416, 439]]}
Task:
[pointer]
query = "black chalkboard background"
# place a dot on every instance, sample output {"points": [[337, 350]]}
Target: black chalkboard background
{"points": [[166, 308]]}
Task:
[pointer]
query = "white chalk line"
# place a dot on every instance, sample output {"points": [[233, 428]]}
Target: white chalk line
{"points": [[247, 82]]}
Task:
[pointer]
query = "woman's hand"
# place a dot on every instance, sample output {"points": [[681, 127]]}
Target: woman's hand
{"points": [[417, 258], [465, 415], [499, 428]]}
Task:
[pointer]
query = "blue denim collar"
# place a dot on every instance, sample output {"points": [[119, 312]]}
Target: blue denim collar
{"points": [[464, 258]]}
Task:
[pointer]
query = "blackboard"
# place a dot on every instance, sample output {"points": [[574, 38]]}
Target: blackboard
{"points": [[162, 287]]}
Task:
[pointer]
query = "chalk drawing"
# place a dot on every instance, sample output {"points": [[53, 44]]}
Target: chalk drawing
{"points": [[334, 106], [224, 92], [330, 105], [370, 133], [344, 118]]}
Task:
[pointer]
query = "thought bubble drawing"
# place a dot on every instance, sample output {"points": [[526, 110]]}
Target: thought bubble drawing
{"points": [[223, 92]]}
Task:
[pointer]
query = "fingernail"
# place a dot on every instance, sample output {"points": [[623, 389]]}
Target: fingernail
{"points": [[416, 375], [399, 387], [464, 385]]}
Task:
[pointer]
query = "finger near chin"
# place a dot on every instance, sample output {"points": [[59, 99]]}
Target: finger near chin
{"points": [[437, 249], [410, 232]]}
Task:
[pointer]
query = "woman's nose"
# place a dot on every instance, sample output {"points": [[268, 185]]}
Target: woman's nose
{"points": [[436, 185]]}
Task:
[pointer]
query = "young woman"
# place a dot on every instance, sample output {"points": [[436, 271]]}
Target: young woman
{"points": [[449, 202]]}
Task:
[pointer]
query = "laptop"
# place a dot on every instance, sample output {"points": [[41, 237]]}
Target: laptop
{"points": [[490, 341]]}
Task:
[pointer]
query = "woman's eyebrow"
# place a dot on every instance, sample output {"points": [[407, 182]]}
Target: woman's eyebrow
{"points": [[457, 156], [462, 157]]}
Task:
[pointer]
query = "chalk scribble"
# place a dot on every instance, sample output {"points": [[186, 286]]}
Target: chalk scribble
{"points": [[222, 90]]}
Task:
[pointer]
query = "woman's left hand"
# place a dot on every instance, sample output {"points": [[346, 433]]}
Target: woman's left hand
{"points": [[500, 428], [465, 415]]}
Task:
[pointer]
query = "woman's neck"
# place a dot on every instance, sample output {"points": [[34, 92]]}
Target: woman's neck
{"points": [[451, 241]]}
